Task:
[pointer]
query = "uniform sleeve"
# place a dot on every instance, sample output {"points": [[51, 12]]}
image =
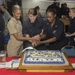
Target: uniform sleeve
{"points": [[25, 29], [59, 31], [71, 28], [12, 28], [45, 27]]}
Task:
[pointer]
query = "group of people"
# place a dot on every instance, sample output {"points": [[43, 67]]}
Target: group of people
{"points": [[42, 35], [61, 10]]}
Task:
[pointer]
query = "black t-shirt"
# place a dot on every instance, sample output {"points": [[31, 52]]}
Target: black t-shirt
{"points": [[56, 31], [72, 30], [72, 26], [2, 23], [33, 28]]}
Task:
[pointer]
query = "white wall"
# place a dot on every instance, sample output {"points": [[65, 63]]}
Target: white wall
{"points": [[27, 4], [43, 4], [70, 3], [1, 1]]}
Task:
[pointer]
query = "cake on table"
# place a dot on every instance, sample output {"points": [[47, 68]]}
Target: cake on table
{"points": [[44, 57], [44, 60]]}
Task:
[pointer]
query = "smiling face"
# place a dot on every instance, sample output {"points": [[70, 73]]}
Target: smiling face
{"points": [[17, 14], [32, 18], [50, 16]]}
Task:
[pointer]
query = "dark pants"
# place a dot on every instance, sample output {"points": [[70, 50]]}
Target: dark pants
{"points": [[71, 41], [1, 41], [6, 38]]}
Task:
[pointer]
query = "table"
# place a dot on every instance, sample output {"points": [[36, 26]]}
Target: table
{"points": [[45, 65], [66, 22], [16, 72]]}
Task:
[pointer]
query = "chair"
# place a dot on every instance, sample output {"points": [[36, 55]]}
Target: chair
{"points": [[66, 22], [69, 50]]}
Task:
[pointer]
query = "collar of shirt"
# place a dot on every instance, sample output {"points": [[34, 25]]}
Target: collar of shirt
{"points": [[49, 24], [14, 20], [34, 21]]}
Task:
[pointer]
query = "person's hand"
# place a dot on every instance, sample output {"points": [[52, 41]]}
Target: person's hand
{"points": [[36, 43], [32, 40], [36, 37], [33, 44], [67, 35], [41, 32]]}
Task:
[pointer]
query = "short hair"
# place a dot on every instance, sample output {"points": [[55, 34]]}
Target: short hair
{"points": [[4, 6], [73, 9], [16, 7], [32, 11], [51, 10]]}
